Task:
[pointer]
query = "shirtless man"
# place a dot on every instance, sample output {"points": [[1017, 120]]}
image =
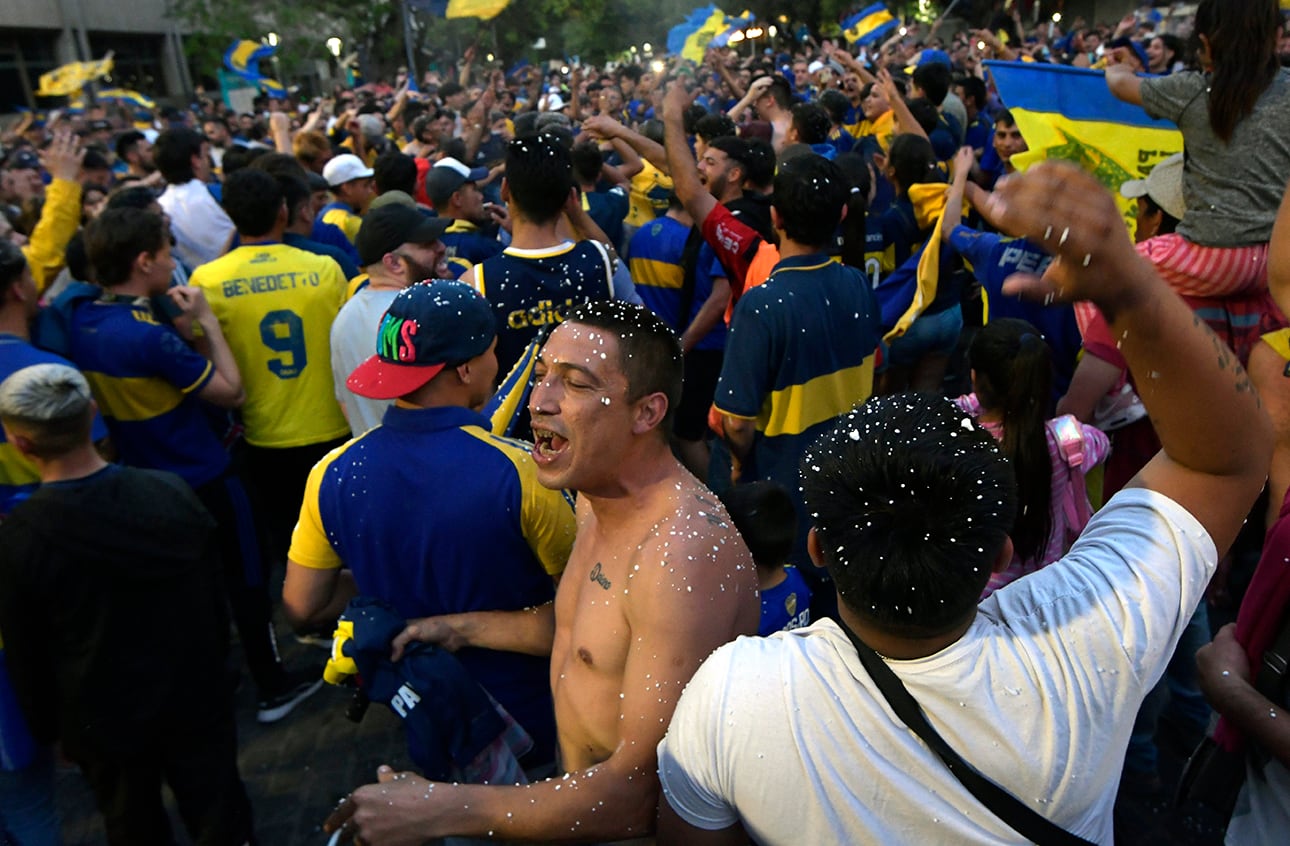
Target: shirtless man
{"points": [[657, 579]]}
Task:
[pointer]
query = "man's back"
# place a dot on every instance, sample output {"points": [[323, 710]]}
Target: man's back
{"points": [[633, 592], [276, 305], [530, 289], [458, 524], [1038, 694], [99, 575]]}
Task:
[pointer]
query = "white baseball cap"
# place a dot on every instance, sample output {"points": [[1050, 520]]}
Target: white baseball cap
{"points": [[345, 168], [1164, 185]]}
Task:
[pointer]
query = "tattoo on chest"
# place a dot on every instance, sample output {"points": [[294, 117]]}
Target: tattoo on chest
{"points": [[599, 577]]}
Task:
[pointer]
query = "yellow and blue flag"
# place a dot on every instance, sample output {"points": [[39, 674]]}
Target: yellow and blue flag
{"points": [[71, 78], [505, 410], [243, 58], [126, 96], [1069, 113], [869, 25], [483, 9], [691, 37]]}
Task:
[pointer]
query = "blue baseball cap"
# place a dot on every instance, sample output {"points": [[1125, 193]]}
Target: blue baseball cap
{"points": [[429, 326]]}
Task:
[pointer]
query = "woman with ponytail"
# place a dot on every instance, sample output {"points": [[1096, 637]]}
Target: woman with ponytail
{"points": [[1234, 114], [1011, 381]]}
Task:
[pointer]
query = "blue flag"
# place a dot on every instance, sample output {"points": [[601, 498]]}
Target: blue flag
{"points": [[869, 25]]}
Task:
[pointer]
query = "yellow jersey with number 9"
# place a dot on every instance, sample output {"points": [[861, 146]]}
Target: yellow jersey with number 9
{"points": [[276, 305]]}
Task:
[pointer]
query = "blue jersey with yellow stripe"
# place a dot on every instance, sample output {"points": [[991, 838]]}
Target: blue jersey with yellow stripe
{"points": [[337, 225], [467, 247], [145, 379], [530, 289], [436, 515], [655, 257], [801, 351], [18, 476]]}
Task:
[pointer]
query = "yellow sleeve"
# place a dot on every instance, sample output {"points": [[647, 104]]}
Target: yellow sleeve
{"points": [[59, 219], [309, 544], [547, 519], [351, 224]]}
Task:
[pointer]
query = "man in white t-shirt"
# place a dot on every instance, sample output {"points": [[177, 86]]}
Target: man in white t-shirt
{"points": [[399, 247], [1037, 687], [202, 229]]}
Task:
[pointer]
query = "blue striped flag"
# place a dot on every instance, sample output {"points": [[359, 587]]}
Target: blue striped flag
{"points": [[506, 409], [869, 25]]}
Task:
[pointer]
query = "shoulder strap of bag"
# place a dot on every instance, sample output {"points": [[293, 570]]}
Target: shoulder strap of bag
{"points": [[690, 264], [1022, 819]]}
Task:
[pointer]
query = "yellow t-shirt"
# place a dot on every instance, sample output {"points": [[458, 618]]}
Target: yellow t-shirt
{"points": [[275, 305]]}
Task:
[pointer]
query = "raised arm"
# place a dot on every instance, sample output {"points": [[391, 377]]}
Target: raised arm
{"points": [[755, 90], [1216, 439], [1124, 83], [905, 121], [698, 201]]}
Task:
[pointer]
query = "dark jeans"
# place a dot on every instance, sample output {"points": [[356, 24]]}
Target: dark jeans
{"points": [[199, 762], [278, 477], [241, 549]]}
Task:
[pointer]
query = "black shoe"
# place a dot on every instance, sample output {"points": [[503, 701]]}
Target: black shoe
{"points": [[276, 707]]}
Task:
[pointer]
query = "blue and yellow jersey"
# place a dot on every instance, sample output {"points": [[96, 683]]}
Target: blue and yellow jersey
{"points": [[337, 225], [276, 305], [655, 257], [145, 379], [648, 195], [450, 519], [800, 352], [18, 476], [530, 289], [467, 247]]}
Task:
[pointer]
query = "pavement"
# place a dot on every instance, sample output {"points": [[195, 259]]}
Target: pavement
{"points": [[296, 771]]}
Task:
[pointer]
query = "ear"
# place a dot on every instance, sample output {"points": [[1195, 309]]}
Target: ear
{"points": [[22, 443], [650, 411], [283, 213], [813, 548], [394, 264], [776, 220], [506, 190], [1004, 557], [143, 262]]}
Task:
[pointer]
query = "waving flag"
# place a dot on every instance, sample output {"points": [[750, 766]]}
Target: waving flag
{"points": [[483, 9], [71, 78], [243, 58], [691, 37], [1069, 113], [869, 25], [507, 409], [127, 96]]}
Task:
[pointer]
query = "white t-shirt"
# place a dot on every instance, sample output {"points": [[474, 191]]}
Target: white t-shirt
{"points": [[353, 341], [789, 735], [201, 227]]}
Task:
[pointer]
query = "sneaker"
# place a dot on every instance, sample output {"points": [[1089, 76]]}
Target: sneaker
{"points": [[275, 708], [316, 640]]}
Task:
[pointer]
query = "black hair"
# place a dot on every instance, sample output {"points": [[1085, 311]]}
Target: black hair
{"points": [[836, 104], [760, 159], [454, 148], [126, 141], [632, 72], [587, 161], [856, 172], [653, 130], [934, 78], [812, 123], [12, 263], [131, 197], [648, 349], [395, 171], [252, 199], [1242, 37], [281, 164], [1004, 118], [1174, 45], [115, 238], [1168, 223], [736, 149], [1013, 375], [173, 154], [911, 503], [691, 117], [809, 194], [539, 174], [78, 258], [450, 89], [924, 112], [781, 90], [238, 157], [763, 513], [95, 160], [974, 89], [912, 160], [713, 126]]}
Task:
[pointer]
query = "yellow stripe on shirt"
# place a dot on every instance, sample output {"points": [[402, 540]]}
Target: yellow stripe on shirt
{"points": [[134, 398], [793, 410]]}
